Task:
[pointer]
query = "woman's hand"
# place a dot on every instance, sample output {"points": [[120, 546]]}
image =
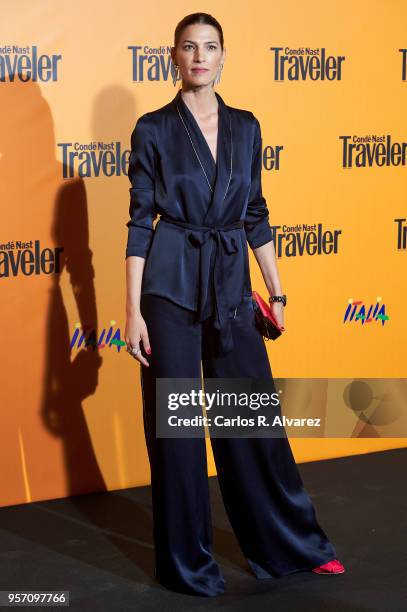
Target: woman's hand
{"points": [[136, 331], [277, 308]]}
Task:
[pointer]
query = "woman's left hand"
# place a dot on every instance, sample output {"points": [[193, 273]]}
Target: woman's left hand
{"points": [[277, 308]]}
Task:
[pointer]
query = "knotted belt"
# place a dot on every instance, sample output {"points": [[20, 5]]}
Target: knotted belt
{"points": [[199, 236]]}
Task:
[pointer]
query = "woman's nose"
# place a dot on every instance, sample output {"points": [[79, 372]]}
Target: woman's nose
{"points": [[199, 56]]}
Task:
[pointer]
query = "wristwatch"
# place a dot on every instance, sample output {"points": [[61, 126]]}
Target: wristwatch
{"points": [[278, 298]]}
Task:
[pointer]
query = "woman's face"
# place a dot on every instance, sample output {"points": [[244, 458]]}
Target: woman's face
{"points": [[198, 55]]}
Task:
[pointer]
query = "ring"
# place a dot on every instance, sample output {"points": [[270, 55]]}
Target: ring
{"points": [[133, 350]]}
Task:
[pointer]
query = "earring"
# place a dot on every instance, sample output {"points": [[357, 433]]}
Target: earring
{"points": [[175, 73], [218, 75]]}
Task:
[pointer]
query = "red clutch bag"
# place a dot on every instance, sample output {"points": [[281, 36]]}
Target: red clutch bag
{"points": [[265, 320]]}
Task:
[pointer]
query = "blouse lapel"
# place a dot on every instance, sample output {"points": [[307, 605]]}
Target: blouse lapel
{"points": [[223, 162], [202, 149], [218, 175]]}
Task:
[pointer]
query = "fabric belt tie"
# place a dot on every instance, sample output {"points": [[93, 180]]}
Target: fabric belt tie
{"points": [[199, 236]]}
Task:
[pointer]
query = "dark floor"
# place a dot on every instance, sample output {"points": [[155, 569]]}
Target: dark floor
{"points": [[99, 547]]}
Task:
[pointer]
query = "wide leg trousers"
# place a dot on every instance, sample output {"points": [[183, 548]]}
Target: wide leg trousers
{"points": [[268, 507]]}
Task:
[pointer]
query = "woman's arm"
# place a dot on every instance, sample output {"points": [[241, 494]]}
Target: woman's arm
{"points": [[266, 258], [142, 178], [134, 276], [140, 233], [258, 231], [136, 328]]}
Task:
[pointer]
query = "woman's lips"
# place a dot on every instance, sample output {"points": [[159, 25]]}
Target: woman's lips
{"points": [[199, 70]]}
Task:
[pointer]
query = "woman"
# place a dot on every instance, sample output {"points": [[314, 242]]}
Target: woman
{"points": [[197, 163]]}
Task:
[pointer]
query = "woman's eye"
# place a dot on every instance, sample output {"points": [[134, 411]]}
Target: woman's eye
{"points": [[186, 47]]}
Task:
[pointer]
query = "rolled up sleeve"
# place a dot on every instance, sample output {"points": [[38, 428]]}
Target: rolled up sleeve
{"points": [[258, 231], [141, 175]]}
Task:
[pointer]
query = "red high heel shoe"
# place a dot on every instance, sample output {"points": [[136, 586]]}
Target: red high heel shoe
{"points": [[332, 567]]}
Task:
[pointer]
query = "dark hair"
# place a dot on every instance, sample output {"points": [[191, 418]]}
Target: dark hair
{"points": [[204, 18]]}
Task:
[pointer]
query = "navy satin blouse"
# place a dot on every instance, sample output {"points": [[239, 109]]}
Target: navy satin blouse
{"points": [[208, 211]]}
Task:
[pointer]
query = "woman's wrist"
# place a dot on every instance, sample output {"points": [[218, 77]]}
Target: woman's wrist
{"points": [[132, 310]]}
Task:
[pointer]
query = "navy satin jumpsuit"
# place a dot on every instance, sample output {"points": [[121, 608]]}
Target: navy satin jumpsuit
{"points": [[196, 302]]}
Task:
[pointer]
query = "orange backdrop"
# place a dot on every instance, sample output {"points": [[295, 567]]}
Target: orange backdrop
{"points": [[328, 84]]}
